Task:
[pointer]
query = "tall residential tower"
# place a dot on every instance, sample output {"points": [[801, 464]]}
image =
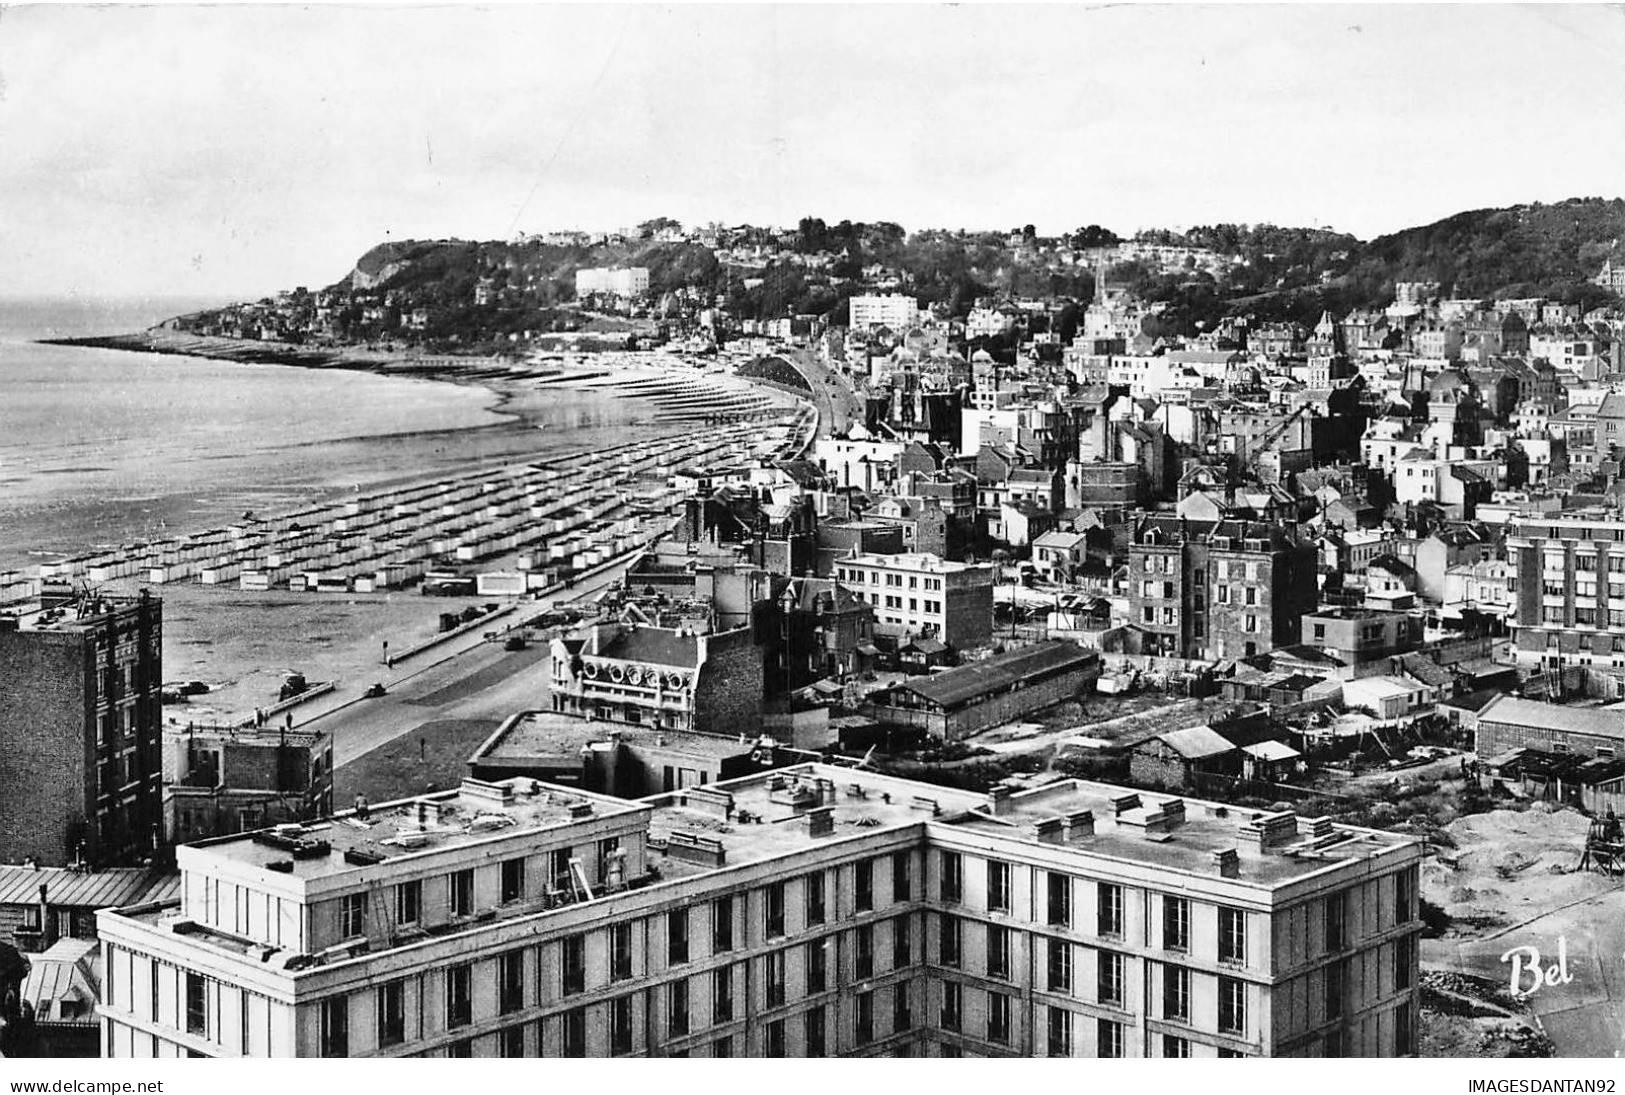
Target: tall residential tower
{"points": [[81, 753]]}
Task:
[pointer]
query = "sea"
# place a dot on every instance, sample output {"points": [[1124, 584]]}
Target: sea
{"points": [[104, 447]]}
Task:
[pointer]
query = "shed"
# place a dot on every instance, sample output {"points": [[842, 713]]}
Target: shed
{"points": [[1174, 758]]}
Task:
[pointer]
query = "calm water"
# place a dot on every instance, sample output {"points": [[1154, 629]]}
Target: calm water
{"points": [[105, 447]]}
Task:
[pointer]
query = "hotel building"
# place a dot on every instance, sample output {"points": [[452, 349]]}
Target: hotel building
{"points": [[810, 911]]}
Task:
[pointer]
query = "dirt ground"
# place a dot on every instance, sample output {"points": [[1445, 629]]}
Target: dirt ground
{"points": [[1101, 716], [1512, 886], [433, 757], [241, 643], [1508, 866], [1464, 1016]]}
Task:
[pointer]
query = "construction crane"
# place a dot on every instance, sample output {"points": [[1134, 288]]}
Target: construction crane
{"points": [[1249, 453]]}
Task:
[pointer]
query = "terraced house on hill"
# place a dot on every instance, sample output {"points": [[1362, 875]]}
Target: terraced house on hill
{"points": [[812, 911]]}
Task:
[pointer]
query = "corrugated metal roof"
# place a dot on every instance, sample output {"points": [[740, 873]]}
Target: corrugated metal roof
{"points": [[1196, 742], [1514, 711], [1271, 750], [69, 970], [85, 889], [999, 672]]}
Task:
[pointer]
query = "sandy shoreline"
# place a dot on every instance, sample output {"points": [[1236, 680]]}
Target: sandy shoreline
{"points": [[241, 643], [483, 373]]}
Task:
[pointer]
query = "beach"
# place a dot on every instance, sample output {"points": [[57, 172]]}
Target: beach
{"points": [[102, 447], [422, 421]]}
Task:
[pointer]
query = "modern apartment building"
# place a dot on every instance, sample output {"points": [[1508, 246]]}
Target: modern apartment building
{"points": [[811, 911], [917, 595], [890, 310], [1567, 590], [620, 281], [81, 765]]}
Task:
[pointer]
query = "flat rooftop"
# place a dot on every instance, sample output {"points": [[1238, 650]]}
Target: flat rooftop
{"points": [[909, 560], [58, 614], [548, 734], [1352, 612], [1207, 827], [768, 813], [532, 734], [477, 811]]}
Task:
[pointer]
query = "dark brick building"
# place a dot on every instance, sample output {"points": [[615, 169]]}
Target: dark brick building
{"points": [[81, 766], [1218, 589], [225, 780], [818, 626]]}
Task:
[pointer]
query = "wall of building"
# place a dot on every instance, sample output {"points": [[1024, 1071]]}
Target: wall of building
{"points": [[47, 757], [994, 710], [728, 694], [1492, 737], [899, 919]]}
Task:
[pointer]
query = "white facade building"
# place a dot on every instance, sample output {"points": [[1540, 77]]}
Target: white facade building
{"points": [[806, 912], [891, 310], [620, 281]]}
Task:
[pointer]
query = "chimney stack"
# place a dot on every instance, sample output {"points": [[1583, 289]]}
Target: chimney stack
{"points": [[820, 820], [998, 799], [1226, 862], [1051, 830], [1079, 824], [1122, 804], [1269, 831], [1315, 827], [47, 922]]}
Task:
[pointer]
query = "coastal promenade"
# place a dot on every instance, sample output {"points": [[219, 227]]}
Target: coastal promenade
{"points": [[839, 406], [359, 724]]}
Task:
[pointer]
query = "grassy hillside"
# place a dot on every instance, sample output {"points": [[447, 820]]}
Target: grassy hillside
{"points": [[1284, 273], [1524, 250]]}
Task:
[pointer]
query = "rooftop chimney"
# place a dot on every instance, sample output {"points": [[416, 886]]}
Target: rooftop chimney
{"points": [[1079, 824], [820, 820], [710, 801], [998, 799], [1226, 862], [1269, 830], [1315, 827], [1124, 803], [1051, 830]]}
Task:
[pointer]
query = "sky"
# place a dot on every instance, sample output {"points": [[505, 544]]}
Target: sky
{"points": [[237, 150]]}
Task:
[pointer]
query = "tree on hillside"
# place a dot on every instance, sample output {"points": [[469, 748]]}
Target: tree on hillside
{"points": [[1094, 236], [649, 228], [812, 236]]}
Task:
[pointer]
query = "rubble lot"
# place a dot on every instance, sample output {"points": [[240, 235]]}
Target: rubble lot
{"points": [[1467, 1016], [1104, 716], [1509, 866]]}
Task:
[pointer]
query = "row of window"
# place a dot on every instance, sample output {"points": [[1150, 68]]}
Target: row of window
{"points": [[914, 603], [458, 887], [572, 1026], [1176, 911], [894, 581]]}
